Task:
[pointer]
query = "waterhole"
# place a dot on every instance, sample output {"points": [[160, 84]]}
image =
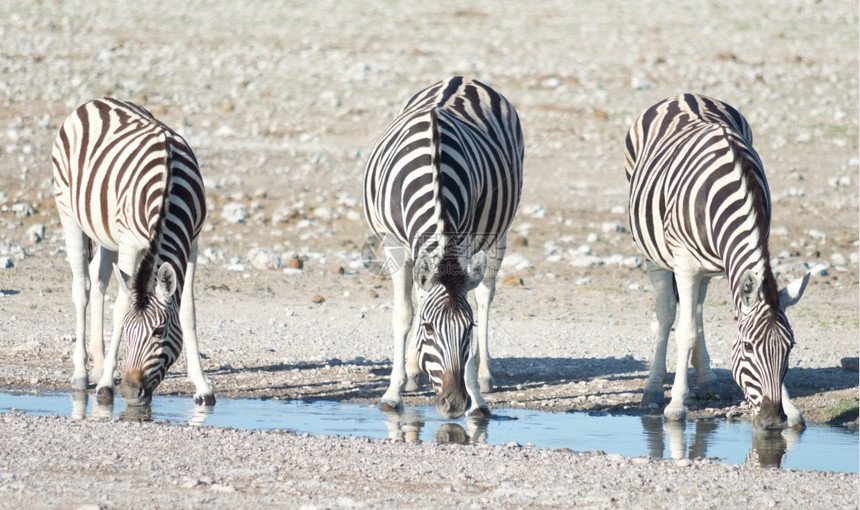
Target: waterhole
{"points": [[817, 448]]}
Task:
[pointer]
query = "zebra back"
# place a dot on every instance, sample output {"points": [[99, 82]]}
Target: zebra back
{"points": [[449, 166], [696, 183]]}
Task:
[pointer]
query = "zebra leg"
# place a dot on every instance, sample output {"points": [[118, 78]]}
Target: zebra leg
{"points": [[685, 339], [484, 294], [402, 323], [665, 304], [127, 262], [203, 394], [100, 271], [478, 407], [77, 250], [794, 420], [706, 380]]}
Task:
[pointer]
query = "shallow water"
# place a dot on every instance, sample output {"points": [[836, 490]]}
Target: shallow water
{"points": [[817, 448]]}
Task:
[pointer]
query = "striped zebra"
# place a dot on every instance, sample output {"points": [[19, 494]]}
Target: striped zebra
{"points": [[700, 207], [130, 195], [443, 183]]}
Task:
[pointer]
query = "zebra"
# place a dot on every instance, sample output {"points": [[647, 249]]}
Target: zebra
{"points": [[699, 206], [130, 195], [442, 184]]}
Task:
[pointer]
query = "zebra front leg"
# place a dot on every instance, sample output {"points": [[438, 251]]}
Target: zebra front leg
{"points": [[100, 272], [402, 323], [478, 407], [794, 420], [707, 385], [664, 300], [126, 263], [484, 294], [685, 339], [77, 250], [203, 394]]}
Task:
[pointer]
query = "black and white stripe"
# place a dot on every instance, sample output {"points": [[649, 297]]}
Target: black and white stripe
{"points": [[443, 182], [131, 185], [700, 207]]}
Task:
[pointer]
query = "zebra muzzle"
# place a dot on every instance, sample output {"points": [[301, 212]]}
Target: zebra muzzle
{"points": [[770, 415], [133, 389]]}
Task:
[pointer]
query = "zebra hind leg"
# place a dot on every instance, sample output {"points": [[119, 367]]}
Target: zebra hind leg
{"points": [[414, 378], [707, 385], [100, 273]]}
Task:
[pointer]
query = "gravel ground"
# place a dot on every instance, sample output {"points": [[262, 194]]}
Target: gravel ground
{"points": [[281, 103]]}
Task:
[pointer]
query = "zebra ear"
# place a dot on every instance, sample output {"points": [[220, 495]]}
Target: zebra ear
{"points": [[424, 271], [475, 272], [123, 280], [792, 292], [165, 284], [750, 287]]}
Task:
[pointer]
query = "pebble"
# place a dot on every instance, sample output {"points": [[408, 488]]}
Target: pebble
{"points": [[234, 212], [263, 259], [35, 233]]}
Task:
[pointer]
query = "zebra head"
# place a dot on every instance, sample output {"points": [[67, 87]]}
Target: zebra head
{"points": [[761, 349], [445, 321], [153, 332]]}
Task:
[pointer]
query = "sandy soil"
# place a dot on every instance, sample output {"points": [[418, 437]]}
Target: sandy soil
{"points": [[281, 103]]}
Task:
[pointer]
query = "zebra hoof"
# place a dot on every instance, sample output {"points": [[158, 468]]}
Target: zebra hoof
{"points": [[708, 391], [80, 383], [674, 414], [204, 399], [479, 412], [104, 395], [487, 384], [650, 397], [390, 407]]}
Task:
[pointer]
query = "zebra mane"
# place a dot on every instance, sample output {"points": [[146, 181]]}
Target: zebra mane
{"points": [[749, 169], [144, 277]]}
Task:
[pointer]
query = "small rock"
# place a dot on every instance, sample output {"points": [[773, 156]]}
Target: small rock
{"points": [[6, 263], [818, 270], [318, 299], [373, 294], [512, 281], [36, 233], [22, 210], [339, 270], [263, 259], [519, 241], [296, 263], [683, 463], [234, 212]]}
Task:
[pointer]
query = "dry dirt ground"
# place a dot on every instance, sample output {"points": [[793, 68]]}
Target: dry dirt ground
{"points": [[281, 103]]}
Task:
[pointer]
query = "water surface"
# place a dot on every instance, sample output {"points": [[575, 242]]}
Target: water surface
{"points": [[817, 448]]}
